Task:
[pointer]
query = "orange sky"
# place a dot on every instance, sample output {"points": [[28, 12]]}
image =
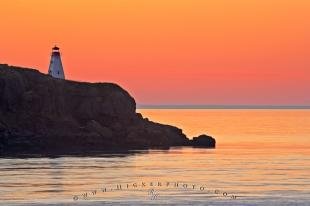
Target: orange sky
{"points": [[169, 51]]}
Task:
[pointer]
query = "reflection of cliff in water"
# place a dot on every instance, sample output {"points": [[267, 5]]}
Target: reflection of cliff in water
{"points": [[107, 154]]}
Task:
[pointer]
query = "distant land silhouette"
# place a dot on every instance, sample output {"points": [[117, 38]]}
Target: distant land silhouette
{"points": [[189, 106]]}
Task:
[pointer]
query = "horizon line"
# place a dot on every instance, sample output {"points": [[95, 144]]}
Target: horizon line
{"points": [[207, 106]]}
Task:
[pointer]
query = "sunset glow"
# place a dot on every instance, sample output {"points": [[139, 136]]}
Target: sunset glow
{"points": [[169, 51]]}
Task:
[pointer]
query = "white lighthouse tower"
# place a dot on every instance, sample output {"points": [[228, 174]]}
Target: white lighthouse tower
{"points": [[55, 68]]}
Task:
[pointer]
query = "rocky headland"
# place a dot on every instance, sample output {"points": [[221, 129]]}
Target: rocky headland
{"points": [[43, 115]]}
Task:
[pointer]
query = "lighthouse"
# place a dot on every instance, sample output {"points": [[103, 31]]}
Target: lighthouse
{"points": [[55, 68]]}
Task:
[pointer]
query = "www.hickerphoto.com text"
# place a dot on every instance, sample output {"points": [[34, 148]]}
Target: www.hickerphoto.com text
{"points": [[159, 185]]}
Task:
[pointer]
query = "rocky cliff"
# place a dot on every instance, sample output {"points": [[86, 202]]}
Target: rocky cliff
{"points": [[42, 114]]}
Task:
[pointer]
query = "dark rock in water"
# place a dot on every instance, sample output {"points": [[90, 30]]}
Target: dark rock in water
{"points": [[41, 114], [203, 141]]}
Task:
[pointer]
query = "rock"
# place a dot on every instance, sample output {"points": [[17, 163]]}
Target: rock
{"points": [[203, 141], [94, 126], [42, 114], [2, 128]]}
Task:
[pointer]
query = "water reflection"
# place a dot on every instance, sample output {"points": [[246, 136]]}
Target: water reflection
{"points": [[111, 154], [250, 174]]}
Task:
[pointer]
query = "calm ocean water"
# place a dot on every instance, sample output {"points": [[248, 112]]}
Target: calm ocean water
{"points": [[262, 158]]}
